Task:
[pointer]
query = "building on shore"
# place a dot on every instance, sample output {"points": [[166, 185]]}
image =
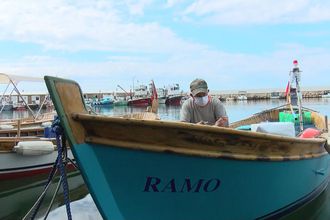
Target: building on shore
{"points": [[257, 94]]}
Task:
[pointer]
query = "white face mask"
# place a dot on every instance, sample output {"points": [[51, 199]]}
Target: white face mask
{"points": [[201, 101]]}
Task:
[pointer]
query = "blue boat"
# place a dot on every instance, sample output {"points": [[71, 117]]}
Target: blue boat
{"points": [[166, 170], [106, 101]]}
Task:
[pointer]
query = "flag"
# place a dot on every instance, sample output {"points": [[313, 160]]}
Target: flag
{"points": [[154, 98], [287, 90], [154, 91]]}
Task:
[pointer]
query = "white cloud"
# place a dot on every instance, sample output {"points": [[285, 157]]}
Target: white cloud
{"points": [[136, 7], [149, 50], [242, 12], [91, 25], [221, 70]]}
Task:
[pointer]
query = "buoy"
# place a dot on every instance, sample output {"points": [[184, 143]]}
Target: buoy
{"points": [[310, 133], [33, 148]]}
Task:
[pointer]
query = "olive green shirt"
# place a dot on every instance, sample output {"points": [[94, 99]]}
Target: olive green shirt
{"points": [[190, 112]]}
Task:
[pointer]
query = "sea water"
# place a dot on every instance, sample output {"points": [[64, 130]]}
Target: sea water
{"points": [[23, 196]]}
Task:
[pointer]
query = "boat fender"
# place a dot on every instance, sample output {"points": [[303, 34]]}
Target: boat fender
{"points": [[6, 127], [310, 133], [34, 148]]}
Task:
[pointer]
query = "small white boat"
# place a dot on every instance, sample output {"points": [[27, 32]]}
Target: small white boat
{"points": [[326, 95]]}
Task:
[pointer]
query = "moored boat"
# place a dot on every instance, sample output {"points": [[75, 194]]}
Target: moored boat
{"points": [[174, 95], [141, 97], [327, 95], [153, 169], [161, 95], [31, 156], [120, 102], [26, 144]]}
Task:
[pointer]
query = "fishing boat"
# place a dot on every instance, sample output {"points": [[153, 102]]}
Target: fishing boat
{"points": [[136, 168], [174, 95], [141, 97], [161, 95], [106, 101]]}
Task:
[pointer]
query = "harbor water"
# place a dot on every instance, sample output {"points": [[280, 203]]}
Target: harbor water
{"points": [[17, 197]]}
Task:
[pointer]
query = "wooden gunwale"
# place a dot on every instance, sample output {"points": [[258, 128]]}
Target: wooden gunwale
{"points": [[196, 140], [172, 137]]}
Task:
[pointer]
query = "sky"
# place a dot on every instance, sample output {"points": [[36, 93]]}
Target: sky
{"points": [[232, 44]]}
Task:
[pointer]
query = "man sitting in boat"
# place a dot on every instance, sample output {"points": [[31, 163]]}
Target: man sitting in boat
{"points": [[201, 108]]}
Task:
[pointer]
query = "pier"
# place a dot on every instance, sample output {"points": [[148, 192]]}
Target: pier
{"points": [[259, 94]]}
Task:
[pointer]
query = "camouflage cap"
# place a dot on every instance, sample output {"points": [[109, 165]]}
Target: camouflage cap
{"points": [[198, 86]]}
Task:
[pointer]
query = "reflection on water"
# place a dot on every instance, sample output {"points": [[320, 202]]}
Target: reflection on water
{"points": [[19, 114], [18, 196], [84, 209]]}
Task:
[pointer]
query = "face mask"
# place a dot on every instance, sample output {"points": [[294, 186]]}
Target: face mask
{"points": [[201, 101]]}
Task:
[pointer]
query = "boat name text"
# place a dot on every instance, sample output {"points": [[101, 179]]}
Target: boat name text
{"points": [[156, 184]]}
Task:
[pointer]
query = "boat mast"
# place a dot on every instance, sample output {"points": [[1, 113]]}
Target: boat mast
{"points": [[296, 73]]}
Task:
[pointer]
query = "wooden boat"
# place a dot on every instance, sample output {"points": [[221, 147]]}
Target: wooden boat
{"points": [[153, 169]]}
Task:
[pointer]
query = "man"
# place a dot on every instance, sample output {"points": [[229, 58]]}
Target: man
{"points": [[201, 108]]}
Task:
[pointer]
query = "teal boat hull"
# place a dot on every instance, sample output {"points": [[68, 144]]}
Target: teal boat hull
{"points": [[130, 184]]}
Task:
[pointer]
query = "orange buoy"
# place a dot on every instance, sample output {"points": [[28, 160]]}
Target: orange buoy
{"points": [[310, 133]]}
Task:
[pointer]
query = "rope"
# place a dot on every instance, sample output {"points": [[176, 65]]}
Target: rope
{"points": [[62, 150], [60, 163]]}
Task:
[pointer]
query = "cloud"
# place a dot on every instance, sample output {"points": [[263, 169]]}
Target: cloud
{"points": [[241, 12], [136, 7], [84, 209], [86, 25], [148, 50]]}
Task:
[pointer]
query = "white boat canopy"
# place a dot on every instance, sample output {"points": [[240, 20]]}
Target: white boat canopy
{"points": [[8, 78], [14, 80]]}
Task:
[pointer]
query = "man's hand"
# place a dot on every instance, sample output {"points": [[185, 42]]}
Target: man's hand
{"points": [[222, 122]]}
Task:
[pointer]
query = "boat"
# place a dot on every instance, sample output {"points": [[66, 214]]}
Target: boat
{"points": [[274, 95], [141, 97], [106, 101], [242, 96], [33, 126], [326, 95], [161, 95], [31, 156], [136, 168], [120, 102], [174, 95], [26, 144]]}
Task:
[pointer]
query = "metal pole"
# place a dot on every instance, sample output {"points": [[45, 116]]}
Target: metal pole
{"points": [[26, 104], [296, 73]]}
